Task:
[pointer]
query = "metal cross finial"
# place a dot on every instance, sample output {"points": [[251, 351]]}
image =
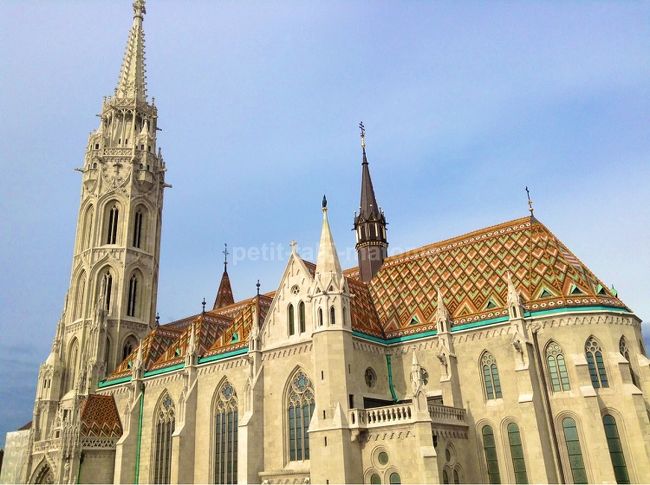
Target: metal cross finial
{"points": [[363, 134], [157, 318], [257, 285], [530, 202], [324, 202], [225, 257], [203, 305]]}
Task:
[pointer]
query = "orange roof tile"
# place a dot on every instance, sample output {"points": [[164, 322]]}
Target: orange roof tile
{"points": [[99, 417]]}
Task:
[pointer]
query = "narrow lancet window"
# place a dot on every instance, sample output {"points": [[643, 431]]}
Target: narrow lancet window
{"points": [[300, 406], [491, 381], [557, 369], [291, 318], [113, 217], [596, 364], [165, 422], [301, 316], [490, 450], [133, 297], [137, 229], [226, 425]]}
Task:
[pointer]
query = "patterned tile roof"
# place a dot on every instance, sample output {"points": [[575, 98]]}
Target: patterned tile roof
{"points": [[153, 346], [470, 270], [99, 417], [236, 336]]}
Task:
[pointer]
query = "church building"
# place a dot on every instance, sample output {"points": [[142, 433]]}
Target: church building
{"points": [[496, 356]]}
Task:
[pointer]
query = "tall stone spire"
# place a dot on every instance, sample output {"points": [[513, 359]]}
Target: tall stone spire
{"points": [[224, 293], [369, 223], [132, 82], [328, 259]]}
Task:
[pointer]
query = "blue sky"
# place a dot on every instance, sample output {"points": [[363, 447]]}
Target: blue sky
{"points": [[465, 103]]}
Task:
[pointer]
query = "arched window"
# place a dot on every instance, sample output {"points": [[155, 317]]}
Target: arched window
{"points": [[594, 355], [301, 316], [559, 376], [332, 316], [129, 346], [572, 441], [165, 421], [456, 476], [73, 357], [394, 478], [106, 287], [300, 406], [445, 477], [625, 352], [490, 373], [86, 237], [226, 424], [375, 479], [615, 449], [131, 307], [291, 317], [490, 450], [138, 220], [79, 296], [517, 454], [111, 228], [320, 317]]}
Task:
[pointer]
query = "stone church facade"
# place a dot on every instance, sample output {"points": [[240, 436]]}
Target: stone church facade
{"points": [[496, 356]]}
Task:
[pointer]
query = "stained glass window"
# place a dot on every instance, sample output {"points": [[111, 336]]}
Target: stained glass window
{"points": [[574, 451], [491, 379], [594, 355], [615, 449], [558, 374], [300, 408], [165, 421], [490, 450], [226, 425], [517, 454]]}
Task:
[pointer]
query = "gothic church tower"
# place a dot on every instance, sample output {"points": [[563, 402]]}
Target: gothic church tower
{"points": [[111, 301]]}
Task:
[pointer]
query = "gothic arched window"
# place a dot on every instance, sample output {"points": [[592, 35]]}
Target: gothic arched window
{"points": [[557, 369], [301, 316], [226, 424], [132, 306], [138, 220], [491, 381], [332, 316], [594, 355], [517, 454], [129, 346], [86, 236], [291, 318], [615, 449], [320, 317], [106, 289], [490, 450], [111, 228], [625, 352], [79, 296], [164, 422], [572, 441], [300, 406], [73, 356]]}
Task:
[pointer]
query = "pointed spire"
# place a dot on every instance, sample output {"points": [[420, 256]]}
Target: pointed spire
{"points": [[369, 209], [515, 307], [224, 293], [132, 82], [328, 259], [442, 314]]}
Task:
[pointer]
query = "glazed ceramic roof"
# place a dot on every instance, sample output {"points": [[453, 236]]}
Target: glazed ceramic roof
{"points": [[99, 417], [470, 271]]}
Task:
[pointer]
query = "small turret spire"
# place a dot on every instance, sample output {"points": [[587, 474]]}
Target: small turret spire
{"points": [[328, 259], [224, 293], [132, 82]]}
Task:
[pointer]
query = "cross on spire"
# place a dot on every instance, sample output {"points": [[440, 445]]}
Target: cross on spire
{"points": [[225, 257], [530, 203], [363, 134]]}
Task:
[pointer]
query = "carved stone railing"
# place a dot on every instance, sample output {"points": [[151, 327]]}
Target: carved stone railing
{"points": [[444, 419]]}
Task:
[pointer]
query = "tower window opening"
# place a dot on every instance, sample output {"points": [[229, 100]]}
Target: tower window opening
{"points": [[108, 287], [292, 323], [133, 296], [96, 146], [320, 317], [301, 316], [137, 229], [332, 316], [113, 217]]}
